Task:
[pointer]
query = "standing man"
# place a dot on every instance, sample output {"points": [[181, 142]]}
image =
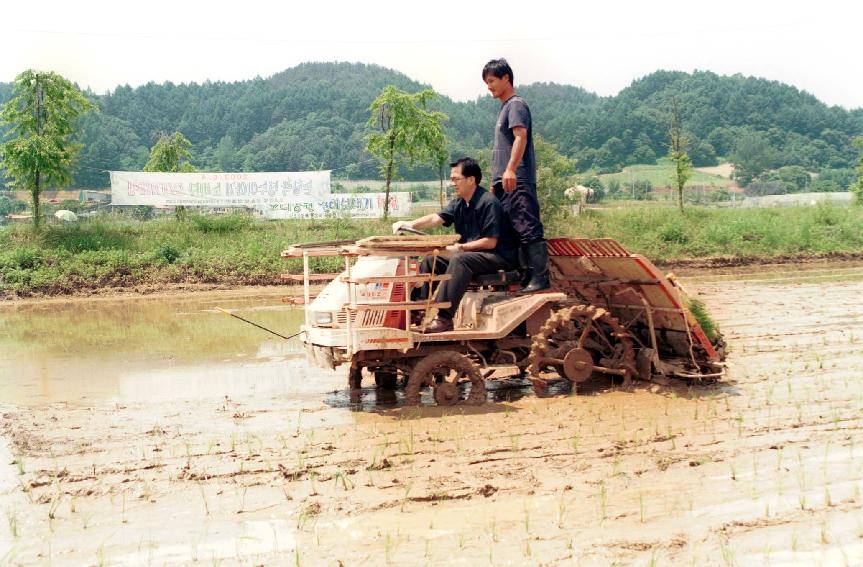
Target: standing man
{"points": [[514, 172], [484, 247]]}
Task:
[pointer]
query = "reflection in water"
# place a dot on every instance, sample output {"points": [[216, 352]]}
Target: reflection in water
{"points": [[153, 348]]}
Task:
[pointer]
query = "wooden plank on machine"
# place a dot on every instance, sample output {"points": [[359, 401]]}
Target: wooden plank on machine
{"points": [[327, 248], [419, 278], [406, 245]]}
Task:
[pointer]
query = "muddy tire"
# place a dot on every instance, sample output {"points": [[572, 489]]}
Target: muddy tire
{"points": [[355, 378], [386, 380], [443, 371], [588, 330]]}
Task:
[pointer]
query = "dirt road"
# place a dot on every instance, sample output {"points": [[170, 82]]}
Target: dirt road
{"points": [[765, 468]]}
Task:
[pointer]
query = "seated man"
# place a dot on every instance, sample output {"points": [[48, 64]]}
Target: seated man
{"points": [[487, 243]]}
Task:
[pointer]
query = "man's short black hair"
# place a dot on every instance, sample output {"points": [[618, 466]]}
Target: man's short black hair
{"points": [[498, 68], [469, 168]]}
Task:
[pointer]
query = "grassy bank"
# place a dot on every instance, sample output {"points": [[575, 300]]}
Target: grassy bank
{"points": [[661, 175], [238, 250], [663, 234]]}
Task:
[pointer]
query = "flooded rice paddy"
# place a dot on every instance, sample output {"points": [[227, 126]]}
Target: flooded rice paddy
{"points": [[158, 430]]}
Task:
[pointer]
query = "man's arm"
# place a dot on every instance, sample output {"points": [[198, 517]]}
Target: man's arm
{"points": [[478, 245], [429, 221], [519, 145]]}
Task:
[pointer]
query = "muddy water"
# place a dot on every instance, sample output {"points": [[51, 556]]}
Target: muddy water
{"points": [[153, 349], [166, 348], [90, 351], [764, 468]]}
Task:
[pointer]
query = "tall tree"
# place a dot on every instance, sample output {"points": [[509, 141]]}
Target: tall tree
{"points": [[677, 152], [857, 187], [171, 153], [404, 131], [41, 115]]}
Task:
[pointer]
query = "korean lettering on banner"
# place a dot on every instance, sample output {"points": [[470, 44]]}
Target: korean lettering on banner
{"points": [[217, 189], [362, 205], [279, 195]]}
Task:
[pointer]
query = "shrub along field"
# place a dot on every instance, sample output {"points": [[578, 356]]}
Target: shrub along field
{"points": [[237, 249]]}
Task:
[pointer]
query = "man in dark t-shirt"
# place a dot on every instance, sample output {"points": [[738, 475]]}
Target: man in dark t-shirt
{"points": [[486, 245], [514, 172]]}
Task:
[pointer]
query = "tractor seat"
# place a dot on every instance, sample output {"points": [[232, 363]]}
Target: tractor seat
{"points": [[499, 278]]}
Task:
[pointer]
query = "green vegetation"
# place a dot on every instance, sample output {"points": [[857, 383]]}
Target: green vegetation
{"points": [[107, 252], [238, 250], [41, 116], [314, 116], [857, 187], [682, 171], [707, 324], [404, 131], [661, 175], [171, 153], [10, 205], [663, 234]]}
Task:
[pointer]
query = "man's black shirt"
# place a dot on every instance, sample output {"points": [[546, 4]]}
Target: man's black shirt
{"points": [[480, 218]]}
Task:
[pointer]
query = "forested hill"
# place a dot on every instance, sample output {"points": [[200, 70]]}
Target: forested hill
{"points": [[313, 116]]}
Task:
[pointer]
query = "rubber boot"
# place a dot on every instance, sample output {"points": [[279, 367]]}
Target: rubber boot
{"points": [[523, 266], [537, 258]]}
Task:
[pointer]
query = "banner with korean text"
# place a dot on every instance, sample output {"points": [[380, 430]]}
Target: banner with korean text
{"points": [[258, 190], [280, 195]]}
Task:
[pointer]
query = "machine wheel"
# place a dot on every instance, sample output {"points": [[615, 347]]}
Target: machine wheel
{"points": [[579, 340], [355, 377], [442, 371], [386, 380]]}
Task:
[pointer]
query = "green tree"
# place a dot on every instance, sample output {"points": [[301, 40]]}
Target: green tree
{"points": [[703, 154], [171, 153], [404, 131], [795, 178], [752, 155], [642, 152], [109, 143], [825, 186], [610, 156], [857, 187], [842, 178], [677, 152], [554, 173], [226, 153], [595, 183], [41, 115]]}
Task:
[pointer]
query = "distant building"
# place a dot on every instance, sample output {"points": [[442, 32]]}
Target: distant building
{"points": [[88, 195]]}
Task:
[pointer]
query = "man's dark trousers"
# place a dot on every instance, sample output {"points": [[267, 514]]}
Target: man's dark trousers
{"points": [[521, 208], [462, 267]]}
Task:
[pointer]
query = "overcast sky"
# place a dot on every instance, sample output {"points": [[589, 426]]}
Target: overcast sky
{"points": [[602, 45]]}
